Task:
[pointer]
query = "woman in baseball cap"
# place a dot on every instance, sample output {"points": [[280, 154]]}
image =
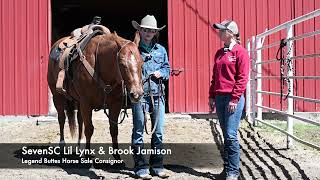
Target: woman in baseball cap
{"points": [[229, 79]]}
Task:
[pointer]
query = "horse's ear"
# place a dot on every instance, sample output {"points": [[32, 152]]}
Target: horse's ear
{"points": [[137, 38], [115, 33]]}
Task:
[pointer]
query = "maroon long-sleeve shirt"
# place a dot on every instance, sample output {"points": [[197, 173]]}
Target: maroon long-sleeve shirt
{"points": [[230, 73]]}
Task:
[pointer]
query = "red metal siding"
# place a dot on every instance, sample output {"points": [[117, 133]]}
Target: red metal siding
{"points": [[24, 55], [317, 60], [191, 18], [309, 64], [192, 44], [299, 64]]}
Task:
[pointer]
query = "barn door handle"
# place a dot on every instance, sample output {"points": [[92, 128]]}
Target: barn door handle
{"points": [[176, 72]]}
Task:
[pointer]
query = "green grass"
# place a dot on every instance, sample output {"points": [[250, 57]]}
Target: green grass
{"points": [[307, 132]]}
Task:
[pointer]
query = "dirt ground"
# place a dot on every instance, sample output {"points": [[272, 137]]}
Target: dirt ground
{"points": [[263, 156]]}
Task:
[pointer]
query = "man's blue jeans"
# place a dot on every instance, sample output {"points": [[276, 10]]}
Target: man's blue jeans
{"points": [[229, 123], [145, 104]]}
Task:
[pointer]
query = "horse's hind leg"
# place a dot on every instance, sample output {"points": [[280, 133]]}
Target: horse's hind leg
{"points": [[59, 102], [80, 125]]}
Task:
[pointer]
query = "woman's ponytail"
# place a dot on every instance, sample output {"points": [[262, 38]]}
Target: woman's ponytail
{"points": [[238, 40]]}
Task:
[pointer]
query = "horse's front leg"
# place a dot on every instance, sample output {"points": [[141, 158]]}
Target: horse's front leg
{"points": [[113, 122], [86, 114]]}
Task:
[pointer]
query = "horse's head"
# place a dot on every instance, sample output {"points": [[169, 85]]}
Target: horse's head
{"points": [[130, 63]]}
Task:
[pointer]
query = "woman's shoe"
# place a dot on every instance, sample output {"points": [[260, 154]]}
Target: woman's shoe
{"points": [[232, 177], [163, 174], [160, 173], [143, 174]]}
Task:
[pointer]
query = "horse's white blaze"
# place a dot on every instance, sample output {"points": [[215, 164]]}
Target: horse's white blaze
{"points": [[134, 66], [133, 62], [132, 57]]}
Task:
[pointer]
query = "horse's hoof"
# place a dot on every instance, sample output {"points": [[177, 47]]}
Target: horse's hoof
{"points": [[82, 143], [62, 143]]}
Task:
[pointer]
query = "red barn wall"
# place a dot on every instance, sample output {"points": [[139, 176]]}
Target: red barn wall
{"points": [[24, 47], [192, 44]]}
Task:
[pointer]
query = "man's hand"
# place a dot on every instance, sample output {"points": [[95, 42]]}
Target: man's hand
{"points": [[157, 74], [232, 107], [212, 104]]}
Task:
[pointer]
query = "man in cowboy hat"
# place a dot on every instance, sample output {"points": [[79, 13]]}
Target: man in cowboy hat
{"points": [[155, 69]]}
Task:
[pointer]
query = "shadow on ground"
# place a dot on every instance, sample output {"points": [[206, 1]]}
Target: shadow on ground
{"points": [[259, 158]]}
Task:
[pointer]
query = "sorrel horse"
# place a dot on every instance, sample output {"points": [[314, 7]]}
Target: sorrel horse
{"points": [[114, 60]]}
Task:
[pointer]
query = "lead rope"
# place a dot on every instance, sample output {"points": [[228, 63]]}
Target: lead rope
{"points": [[281, 58], [284, 61], [107, 90], [152, 102], [124, 113]]}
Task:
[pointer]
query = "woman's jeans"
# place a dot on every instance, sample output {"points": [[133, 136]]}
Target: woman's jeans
{"points": [[138, 109], [229, 123]]}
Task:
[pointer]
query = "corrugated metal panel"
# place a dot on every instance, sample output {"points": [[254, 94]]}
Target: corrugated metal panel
{"points": [[299, 90], [309, 64], [317, 60], [272, 17], [189, 31], [202, 53], [192, 44], [24, 56], [191, 61], [174, 49]]}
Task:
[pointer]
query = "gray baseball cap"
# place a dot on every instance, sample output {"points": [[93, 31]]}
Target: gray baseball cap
{"points": [[227, 24]]}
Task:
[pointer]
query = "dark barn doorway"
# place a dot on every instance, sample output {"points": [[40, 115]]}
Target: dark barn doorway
{"points": [[117, 15]]}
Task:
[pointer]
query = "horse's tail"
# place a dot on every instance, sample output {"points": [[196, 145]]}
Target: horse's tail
{"points": [[71, 112]]}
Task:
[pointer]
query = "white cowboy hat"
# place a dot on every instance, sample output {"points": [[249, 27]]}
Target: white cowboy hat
{"points": [[149, 22]]}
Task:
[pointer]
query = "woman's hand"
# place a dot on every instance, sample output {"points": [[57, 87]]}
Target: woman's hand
{"points": [[157, 74], [212, 104], [232, 107]]}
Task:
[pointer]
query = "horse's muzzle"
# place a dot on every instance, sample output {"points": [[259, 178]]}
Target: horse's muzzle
{"points": [[135, 97]]}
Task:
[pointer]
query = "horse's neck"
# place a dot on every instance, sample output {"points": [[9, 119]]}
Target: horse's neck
{"points": [[114, 74]]}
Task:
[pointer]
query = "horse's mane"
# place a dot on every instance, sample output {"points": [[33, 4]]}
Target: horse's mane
{"points": [[121, 42], [111, 40], [114, 37]]}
